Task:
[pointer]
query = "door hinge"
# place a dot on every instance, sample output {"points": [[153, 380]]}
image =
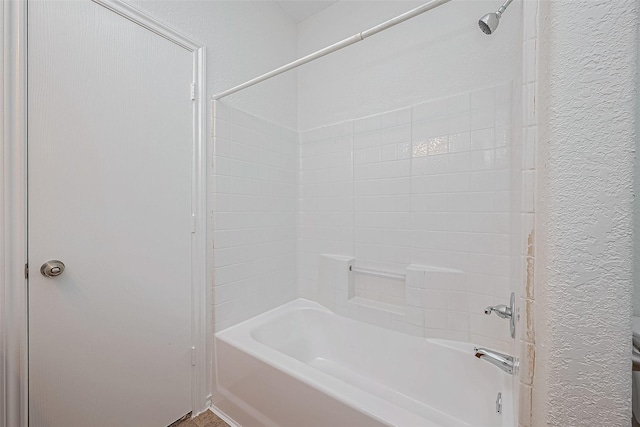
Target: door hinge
{"points": [[26, 271], [193, 223], [193, 91], [193, 356]]}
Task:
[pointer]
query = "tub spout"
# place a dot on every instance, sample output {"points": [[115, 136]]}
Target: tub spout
{"points": [[502, 361]]}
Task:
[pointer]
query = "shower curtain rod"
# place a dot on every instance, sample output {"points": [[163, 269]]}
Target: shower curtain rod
{"points": [[334, 47]]}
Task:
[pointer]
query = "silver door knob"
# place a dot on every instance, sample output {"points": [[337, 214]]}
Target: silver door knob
{"points": [[52, 268]]}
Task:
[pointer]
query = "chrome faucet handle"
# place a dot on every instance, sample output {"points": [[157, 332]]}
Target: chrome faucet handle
{"points": [[505, 312], [501, 310]]}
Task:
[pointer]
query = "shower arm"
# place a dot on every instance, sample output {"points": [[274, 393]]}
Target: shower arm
{"points": [[334, 47], [504, 7]]}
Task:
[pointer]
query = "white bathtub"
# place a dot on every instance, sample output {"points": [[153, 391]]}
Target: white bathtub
{"points": [[301, 365]]}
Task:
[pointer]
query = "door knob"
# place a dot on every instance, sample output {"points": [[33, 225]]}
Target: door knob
{"points": [[52, 268]]}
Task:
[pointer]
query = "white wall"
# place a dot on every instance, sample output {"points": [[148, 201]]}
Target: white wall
{"points": [[434, 55], [584, 250], [243, 39]]}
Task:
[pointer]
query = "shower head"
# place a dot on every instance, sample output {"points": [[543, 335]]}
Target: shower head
{"points": [[489, 22]]}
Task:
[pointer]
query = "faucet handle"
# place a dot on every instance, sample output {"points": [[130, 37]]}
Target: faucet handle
{"points": [[501, 310], [505, 312]]}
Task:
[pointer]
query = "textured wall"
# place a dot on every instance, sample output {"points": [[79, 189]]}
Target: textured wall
{"points": [[583, 293], [636, 208]]}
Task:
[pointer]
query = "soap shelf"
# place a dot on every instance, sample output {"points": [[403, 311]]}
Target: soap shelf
{"points": [[377, 273]]}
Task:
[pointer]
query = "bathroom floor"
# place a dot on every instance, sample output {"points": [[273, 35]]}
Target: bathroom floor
{"points": [[206, 419]]}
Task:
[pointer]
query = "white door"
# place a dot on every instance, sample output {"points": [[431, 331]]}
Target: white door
{"points": [[110, 146]]}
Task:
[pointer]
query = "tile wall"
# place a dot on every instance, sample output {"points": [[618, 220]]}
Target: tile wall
{"points": [[423, 189], [425, 192], [524, 208], [255, 167], [326, 206]]}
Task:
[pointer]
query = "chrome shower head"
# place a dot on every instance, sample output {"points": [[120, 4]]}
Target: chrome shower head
{"points": [[489, 22]]}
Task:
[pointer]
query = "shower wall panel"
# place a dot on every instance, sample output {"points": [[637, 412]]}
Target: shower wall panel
{"points": [[255, 167], [423, 187]]}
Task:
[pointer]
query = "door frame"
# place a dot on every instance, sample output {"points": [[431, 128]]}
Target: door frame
{"points": [[13, 218], [14, 393]]}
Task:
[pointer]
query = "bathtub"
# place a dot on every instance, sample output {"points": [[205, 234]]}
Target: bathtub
{"points": [[301, 365]]}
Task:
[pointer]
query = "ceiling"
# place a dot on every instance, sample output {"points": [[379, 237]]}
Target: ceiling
{"points": [[299, 10]]}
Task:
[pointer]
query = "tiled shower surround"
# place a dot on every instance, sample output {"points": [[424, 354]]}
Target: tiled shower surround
{"points": [[425, 188], [423, 191], [255, 167]]}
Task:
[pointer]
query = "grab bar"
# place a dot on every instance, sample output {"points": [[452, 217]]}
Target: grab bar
{"points": [[377, 273]]}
